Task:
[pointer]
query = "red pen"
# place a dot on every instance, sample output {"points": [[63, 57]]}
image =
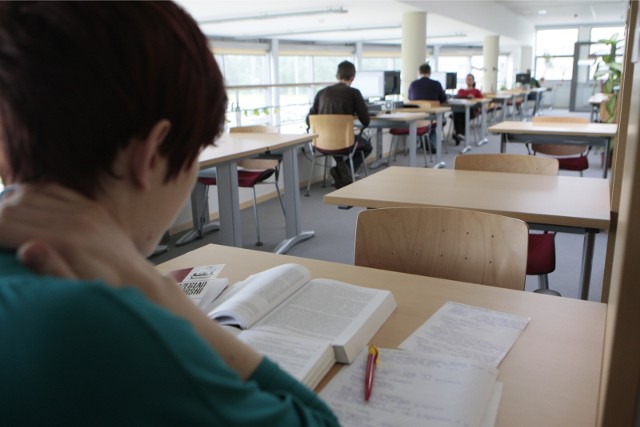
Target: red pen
{"points": [[372, 362]]}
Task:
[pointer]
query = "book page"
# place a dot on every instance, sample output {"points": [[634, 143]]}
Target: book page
{"points": [[247, 301], [412, 390], [467, 331], [333, 311], [305, 359]]}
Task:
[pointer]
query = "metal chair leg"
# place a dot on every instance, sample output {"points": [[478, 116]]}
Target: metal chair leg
{"points": [[255, 215]]}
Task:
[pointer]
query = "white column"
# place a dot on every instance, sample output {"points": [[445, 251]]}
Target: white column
{"points": [[491, 51], [358, 55], [526, 59], [435, 58], [414, 47], [275, 79]]}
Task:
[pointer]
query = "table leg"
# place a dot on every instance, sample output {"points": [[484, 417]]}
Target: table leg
{"points": [[229, 204], [293, 217], [467, 118], [439, 137], [607, 155], [380, 161], [412, 142], [587, 261], [483, 125], [199, 216], [504, 109], [503, 142]]}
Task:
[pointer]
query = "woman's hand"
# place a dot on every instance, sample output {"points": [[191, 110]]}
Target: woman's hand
{"points": [[61, 233]]}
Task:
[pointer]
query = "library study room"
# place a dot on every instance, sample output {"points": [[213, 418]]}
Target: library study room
{"points": [[320, 213]]}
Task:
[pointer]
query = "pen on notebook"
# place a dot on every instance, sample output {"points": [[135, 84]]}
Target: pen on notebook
{"points": [[372, 362]]}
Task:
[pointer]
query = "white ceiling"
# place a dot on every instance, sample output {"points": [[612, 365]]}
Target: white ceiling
{"points": [[463, 23]]}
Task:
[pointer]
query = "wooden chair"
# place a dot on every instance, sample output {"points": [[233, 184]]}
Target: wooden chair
{"points": [[251, 172], [541, 258], [571, 157], [335, 138], [456, 244]]}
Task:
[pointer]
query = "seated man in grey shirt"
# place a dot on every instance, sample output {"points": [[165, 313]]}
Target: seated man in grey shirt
{"points": [[341, 98]]}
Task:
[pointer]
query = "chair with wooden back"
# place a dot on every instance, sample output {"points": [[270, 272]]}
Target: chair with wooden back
{"points": [[570, 156], [251, 172], [541, 258], [455, 244], [335, 137]]}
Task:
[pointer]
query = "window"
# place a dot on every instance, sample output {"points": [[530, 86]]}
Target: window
{"points": [[246, 106], [554, 53], [381, 63]]}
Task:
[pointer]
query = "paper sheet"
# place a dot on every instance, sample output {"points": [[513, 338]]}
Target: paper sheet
{"points": [[413, 390], [466, 331]]}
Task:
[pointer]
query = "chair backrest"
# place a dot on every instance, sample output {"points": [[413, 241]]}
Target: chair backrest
{"points": [[559, 149], [256, 164], [513, 163], [454, 244], [335, 131]]}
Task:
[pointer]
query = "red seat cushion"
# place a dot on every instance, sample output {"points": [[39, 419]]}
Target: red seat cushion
{"points": [[405, 131], [246, 178], [579, 163], [541, 258]]}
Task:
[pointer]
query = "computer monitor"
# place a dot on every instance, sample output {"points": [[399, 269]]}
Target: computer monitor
{"points": [[451, 81], [370, 83], [523, 78], [391, 83]]}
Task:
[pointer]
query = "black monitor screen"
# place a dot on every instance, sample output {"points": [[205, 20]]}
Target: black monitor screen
{"points": [[391, 83], [452, 80], [523, 78]]}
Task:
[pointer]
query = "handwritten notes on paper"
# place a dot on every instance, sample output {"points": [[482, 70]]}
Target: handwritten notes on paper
{"points": [[444, 375], [413, 390], [466, 331]]}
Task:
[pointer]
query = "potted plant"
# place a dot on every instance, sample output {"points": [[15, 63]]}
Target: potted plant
{"points": [[609, 73]]}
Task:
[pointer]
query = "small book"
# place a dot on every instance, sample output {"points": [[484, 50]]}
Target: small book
{"points": [[201, 283], [284, 300]]}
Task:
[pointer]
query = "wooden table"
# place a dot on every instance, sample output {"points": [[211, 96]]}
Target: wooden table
{"points": [[560, 203], [551, 375], [409, 117], [228, 150], [596, 102], [594, 134]]}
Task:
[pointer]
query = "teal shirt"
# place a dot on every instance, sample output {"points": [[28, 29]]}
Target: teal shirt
{"points": [[81, 353]]}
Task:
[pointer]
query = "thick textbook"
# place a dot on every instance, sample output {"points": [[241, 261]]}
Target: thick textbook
{"points": [[285, 301]]}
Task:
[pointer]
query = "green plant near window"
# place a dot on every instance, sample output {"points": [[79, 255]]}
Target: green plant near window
{"points": [[609, 73]]}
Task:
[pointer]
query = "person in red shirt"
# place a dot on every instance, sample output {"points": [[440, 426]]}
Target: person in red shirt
{"points": [[458, 117]]}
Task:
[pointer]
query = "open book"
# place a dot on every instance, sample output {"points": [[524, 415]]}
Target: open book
{"points": [[285, 302]]}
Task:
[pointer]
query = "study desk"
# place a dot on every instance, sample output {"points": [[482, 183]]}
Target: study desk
{"points": [[560, 203], [551, 375], [232, 147], [409, 117], [465, 105], [595, 134], [596, 102]]}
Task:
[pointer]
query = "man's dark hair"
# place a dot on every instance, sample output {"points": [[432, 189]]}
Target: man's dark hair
{"points": [[425, 68], [80, 80], [346, 71]]}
